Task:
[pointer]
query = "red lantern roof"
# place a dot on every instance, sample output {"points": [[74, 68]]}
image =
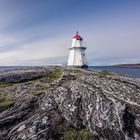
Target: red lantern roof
{"points": [[78, 36]]}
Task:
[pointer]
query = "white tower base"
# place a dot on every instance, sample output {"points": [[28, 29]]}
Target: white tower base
{"points": [[77, 57]]}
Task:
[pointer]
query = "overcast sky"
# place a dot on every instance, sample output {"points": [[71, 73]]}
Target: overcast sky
{"points": [[39, 32]]}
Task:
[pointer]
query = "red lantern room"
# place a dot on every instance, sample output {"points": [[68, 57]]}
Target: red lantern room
{"points": [[77, 36]]}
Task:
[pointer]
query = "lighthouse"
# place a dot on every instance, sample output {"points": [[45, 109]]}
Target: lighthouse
{"points": [[77, 57]]}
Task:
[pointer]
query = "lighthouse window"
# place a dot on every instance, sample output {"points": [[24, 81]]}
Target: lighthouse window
{"points": [[79, 39]]}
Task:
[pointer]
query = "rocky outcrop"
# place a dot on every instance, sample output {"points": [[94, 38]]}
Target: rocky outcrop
{"points": [[24, 75], [107, 105]]}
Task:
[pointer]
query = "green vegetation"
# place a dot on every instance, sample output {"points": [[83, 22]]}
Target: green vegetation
{"points": [[79, 135], [6, 102], [54, 75], [4, 85], [105, 72], [37, 93]]}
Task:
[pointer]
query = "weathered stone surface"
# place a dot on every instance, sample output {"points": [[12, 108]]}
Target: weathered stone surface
{"points": [[23, 75], [109, 106], [17, 112]]}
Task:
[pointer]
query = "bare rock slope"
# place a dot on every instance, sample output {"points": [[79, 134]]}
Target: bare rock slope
{"points": [[52, 103]]}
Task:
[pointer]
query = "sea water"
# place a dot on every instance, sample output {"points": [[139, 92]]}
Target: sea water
{"points": [[135, 72]]}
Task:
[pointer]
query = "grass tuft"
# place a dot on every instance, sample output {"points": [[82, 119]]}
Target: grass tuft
{"points": [[37, 93], [6, 102], [4, 85], [79, 135], [54, 75], [105, 72]]}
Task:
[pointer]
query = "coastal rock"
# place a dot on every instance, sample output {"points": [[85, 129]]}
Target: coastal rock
{"points": [[107, 105], [23, 75]]}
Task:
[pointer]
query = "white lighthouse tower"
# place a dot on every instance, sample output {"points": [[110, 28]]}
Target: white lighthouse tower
{"points": [[77, 57]]}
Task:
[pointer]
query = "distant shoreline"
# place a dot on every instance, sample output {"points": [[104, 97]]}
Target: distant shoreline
{"points": [[127, 65]]}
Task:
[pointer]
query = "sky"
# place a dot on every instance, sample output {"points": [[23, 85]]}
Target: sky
{"points": [[39, 32]]}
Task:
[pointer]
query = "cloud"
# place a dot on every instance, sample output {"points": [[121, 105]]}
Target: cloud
{"points": [[6, 40], [35, 51]]}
